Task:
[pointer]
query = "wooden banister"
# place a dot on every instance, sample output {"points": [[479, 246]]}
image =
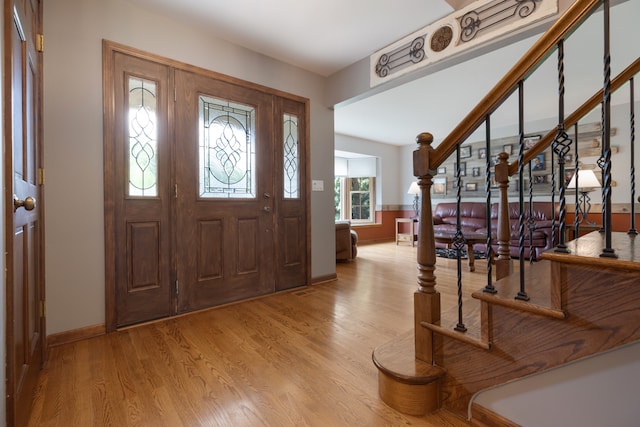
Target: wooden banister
{"points": [[576, 13]]}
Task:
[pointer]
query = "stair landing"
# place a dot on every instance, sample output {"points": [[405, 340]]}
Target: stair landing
{"points": [[587, 250]]}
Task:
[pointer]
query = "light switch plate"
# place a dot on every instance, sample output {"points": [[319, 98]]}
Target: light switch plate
{"points": [[317, 185]]}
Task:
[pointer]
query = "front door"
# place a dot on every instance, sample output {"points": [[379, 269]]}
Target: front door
{"points": [[225, 187], [207, 187], [23, 198]]}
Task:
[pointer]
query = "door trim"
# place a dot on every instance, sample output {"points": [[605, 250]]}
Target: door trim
{"points": [[109, 49]]}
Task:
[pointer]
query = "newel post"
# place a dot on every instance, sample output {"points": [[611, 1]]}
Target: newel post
{"points": [[504, 266], [426, 298]]}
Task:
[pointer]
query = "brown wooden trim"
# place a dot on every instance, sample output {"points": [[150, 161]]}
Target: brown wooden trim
{"points": [[74, 335], [576, 13], [111, 47], [323, 279], [108, 111], [307, 181], [460, 336], [483, 417]]}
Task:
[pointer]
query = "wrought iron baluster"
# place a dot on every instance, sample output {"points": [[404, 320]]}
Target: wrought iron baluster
{"points": [[607, 251], [560, 146], [632, 143], [531, 222], [489, 288], [577, 219], [459, 241], [522, 294]]}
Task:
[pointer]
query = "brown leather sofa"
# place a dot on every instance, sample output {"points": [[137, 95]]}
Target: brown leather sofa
{"points": [[346, 241], [473, 219]]}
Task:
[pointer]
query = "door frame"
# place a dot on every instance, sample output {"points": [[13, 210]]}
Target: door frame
{"points": [[109, 49]]}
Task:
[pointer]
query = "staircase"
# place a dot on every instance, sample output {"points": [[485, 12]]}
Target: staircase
{"points": [[582, 298]]}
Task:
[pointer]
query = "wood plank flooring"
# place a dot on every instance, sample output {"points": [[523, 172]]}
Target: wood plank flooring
{"points": [[299, 358]]}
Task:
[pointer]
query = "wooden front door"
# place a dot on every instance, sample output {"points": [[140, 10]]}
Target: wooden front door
{"points": [[24, 211], [207, 187], [225, 187]]}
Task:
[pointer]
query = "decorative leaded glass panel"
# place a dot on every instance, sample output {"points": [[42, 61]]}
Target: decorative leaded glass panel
{"points": [[291, 158], [143, 140], [227, 155]]}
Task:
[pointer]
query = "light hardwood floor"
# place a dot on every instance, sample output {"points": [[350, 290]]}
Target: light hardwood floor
{"points": [[300, 358]]}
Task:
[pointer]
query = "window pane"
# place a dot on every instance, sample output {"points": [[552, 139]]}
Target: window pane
{"points": [[337, 198], [143, 140], [227, 156], [291, 157]]}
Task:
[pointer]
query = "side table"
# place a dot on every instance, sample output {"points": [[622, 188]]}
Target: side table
{"points": [[570, 230], [411, 236]]}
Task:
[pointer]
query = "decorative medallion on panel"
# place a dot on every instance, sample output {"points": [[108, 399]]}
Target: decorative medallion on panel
{"points": [[480, 22]]}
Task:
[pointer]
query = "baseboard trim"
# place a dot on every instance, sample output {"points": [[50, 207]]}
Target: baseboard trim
{"points": [[67, 337], [322, 279]]}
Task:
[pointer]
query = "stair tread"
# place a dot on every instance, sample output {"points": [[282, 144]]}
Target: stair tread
{"points": [[397, 359], [538, 290], [586, 250]]}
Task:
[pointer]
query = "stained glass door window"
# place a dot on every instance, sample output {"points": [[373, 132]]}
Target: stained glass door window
{"points": [[227, 155]]}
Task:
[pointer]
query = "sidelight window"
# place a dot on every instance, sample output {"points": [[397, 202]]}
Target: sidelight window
{"points": [[143, 140]]}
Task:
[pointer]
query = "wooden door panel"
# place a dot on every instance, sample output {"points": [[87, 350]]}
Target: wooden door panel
{"points": [[239, 248], [247, 257], [211, 250], [143, 248], [25, 288], [141, 195], [291, 242], [292, 250]]}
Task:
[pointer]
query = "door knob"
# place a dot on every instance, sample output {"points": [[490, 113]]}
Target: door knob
{"points": [[29, 203], [267, 209]]}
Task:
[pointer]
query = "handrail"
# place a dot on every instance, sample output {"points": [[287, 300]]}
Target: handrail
{"points": [[578, 114], [576, 13]]}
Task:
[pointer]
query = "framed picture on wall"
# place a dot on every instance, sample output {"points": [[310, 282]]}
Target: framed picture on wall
{"points": [[475, 171], [465, 152], [538, 163], [439, 186], [568, 174], [442, 170], [540, 179], [482, 153], [530, 141], [463, 168], [471, 186]]}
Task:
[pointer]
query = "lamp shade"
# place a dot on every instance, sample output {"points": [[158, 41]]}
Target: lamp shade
{"points": [[414, 188], [586, 179]]}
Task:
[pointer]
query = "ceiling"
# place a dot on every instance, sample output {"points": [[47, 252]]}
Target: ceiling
{"points": [[325, 36]]}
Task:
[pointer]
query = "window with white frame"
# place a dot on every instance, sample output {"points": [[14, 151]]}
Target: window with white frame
{"points": [[355, 189]]}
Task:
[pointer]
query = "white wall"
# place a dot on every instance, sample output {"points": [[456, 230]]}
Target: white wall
{"points": [[389, 193], [73, 31]]}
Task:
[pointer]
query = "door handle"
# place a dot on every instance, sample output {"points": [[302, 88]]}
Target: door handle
{"points": [[29, 203], [267, 209]]}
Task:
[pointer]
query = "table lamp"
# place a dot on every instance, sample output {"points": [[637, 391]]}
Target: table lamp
{"points": [[586, 182], [415, 190]]}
